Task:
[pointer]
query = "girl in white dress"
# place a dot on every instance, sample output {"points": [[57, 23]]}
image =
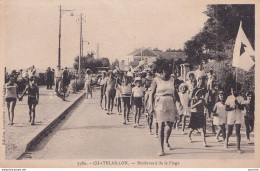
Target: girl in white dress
{"points": [[185, 103], [220, 116]]}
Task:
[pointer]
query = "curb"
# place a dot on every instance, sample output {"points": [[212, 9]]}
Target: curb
{"points": [[30, 145]]}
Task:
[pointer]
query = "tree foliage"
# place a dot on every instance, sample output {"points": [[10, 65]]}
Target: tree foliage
{"points": [[90, 62], [216, 39], [114, 64]]}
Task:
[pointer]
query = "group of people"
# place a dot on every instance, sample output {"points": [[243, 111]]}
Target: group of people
{"points": [[12, 91], [167, 101], [50, 77], [11, 96]]}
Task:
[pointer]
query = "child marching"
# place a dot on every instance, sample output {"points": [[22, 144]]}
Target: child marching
{"points": [[137, 98], [184, 104], [250, 112], [126, 92], [197, 119], [220, 116], [33, 99]]}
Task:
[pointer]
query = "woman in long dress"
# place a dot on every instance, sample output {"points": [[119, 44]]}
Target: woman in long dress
{"points": [[164, 107]]}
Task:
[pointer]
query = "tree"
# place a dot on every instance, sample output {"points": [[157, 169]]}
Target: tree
{"points": [[161, 63], [90, 63], [156, 49], [105, 62], [216, 39], [114, 64]]}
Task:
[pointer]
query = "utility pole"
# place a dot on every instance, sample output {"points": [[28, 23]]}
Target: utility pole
{"points": [[82, 47], [80, 50], [82, 54], [98, 51], [59, 48]]}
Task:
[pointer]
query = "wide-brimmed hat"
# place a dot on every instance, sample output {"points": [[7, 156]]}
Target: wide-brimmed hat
{"points": [[199, 92]]}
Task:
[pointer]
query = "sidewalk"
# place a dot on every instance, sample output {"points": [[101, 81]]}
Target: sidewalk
{"points": [[21, 133]]}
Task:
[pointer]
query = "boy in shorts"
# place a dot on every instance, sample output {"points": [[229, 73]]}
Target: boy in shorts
{"points": [[234, 105], [33, 98]]}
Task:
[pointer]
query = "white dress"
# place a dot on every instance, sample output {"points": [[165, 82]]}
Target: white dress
{"points": [[221, 112], [164, 107], [184, 99]]}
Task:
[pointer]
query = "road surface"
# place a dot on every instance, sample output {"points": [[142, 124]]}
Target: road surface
{"points": [[89, 133]]}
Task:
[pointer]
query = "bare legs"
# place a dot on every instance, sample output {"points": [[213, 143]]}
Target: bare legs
{"points": [[32, 113], [11, 113], [238, 135], [137, 115], [89, 91], [119, 108], [249, 123], [126, 101], [110, 104], [168, 126], [202, 130], [222, 129]]}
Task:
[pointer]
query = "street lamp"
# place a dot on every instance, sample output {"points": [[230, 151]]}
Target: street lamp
{"points": [[59, 49]]}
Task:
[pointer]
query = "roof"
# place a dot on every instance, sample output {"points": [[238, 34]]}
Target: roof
{"points": [[154, 53]]}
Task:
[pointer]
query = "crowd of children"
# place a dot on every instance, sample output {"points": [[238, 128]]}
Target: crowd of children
{"points": [[167, 102]]}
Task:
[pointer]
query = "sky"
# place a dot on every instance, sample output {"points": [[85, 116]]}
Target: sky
{"points": [[119, 26]]}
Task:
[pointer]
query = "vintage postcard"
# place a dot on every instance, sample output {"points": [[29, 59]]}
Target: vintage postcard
{"points": [[141, 83]]}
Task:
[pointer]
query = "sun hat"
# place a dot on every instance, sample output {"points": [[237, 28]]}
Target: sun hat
{"points": [[200, 91]]}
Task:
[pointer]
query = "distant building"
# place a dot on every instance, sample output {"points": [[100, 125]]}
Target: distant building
{"points": [[145, 57]]}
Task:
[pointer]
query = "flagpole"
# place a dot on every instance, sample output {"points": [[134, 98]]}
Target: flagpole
{"points": [[236, 78]]}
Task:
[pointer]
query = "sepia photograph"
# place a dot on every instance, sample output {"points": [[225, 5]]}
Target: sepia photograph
{"points": [[116, 83]]}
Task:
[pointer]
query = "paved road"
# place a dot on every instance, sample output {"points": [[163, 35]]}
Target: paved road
{"points": [[18, 135], [88, 133]]}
